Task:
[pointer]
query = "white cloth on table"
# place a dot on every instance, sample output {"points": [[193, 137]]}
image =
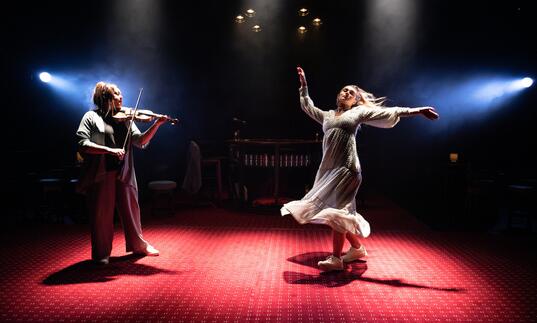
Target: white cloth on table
{"points": [[331, 201]]}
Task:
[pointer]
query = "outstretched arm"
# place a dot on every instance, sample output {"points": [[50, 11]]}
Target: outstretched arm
{"points": [[389, 117], [428, 112], [305, 101]]}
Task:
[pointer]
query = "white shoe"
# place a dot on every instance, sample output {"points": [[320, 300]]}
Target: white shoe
{"points": [[148, 251], [354, 254], [331, 263]]}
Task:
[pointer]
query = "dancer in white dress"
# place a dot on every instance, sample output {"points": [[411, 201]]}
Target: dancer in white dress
{"points": [[331, 201]]}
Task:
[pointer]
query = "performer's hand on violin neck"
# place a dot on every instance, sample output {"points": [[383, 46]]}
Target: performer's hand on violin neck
{"points": [[162, 119], [118, 152], [302, 76]]}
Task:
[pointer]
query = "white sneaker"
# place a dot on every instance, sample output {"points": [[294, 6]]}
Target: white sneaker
{"points": [[331, 263], [354, 254], [151, 251], [148, 251]]}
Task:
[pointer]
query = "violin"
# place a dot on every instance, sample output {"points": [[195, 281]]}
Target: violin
{"points": [[126, 113]]}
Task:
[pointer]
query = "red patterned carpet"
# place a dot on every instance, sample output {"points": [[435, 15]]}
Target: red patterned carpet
{"points": [[219, 265]]}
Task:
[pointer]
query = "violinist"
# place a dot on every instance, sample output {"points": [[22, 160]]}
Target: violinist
{"points": [[107, 178]]}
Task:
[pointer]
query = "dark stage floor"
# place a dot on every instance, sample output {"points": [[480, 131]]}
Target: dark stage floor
{"points": [[223, 265]]}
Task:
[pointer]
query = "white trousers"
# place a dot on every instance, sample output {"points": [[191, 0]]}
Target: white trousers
{"points": [[102, 199]]}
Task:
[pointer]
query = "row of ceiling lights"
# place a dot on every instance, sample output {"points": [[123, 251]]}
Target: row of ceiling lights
{"points": [[302, 12]]}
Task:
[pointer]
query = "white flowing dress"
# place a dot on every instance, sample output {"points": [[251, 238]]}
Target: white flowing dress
{"points": [[331, 201]]}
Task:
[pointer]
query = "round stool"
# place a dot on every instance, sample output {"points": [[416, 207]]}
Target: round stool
{"points": [[162, 196]]}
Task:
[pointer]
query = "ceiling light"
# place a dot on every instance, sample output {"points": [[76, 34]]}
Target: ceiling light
{"points": [[239, 19]]}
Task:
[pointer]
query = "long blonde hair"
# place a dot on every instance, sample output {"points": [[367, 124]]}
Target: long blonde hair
{"points": [[367, 98]]}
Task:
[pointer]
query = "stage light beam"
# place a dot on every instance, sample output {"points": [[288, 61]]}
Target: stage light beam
{"points": [[495, 91], [519, 85], [526, 82], [45, 77]]}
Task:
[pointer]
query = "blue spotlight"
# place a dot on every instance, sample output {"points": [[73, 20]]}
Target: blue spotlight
{"points": [[500, 89], [460, 98], [520, 84], [45, 77], [526, 82], [61, 84]]}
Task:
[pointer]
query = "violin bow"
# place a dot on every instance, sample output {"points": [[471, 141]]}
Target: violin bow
{"points": [[132, 118]]}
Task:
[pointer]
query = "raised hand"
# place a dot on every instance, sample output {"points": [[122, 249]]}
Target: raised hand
{"points": [[429, 113], [301, 76]]}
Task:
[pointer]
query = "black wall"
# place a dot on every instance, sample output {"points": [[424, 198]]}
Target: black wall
{"points": [[199, 66]]}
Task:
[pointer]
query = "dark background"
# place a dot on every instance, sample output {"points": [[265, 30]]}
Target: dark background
{"points": [[196, 64]]}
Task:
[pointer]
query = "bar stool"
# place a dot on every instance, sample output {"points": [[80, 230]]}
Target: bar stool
{"points": [[162, 196]]}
